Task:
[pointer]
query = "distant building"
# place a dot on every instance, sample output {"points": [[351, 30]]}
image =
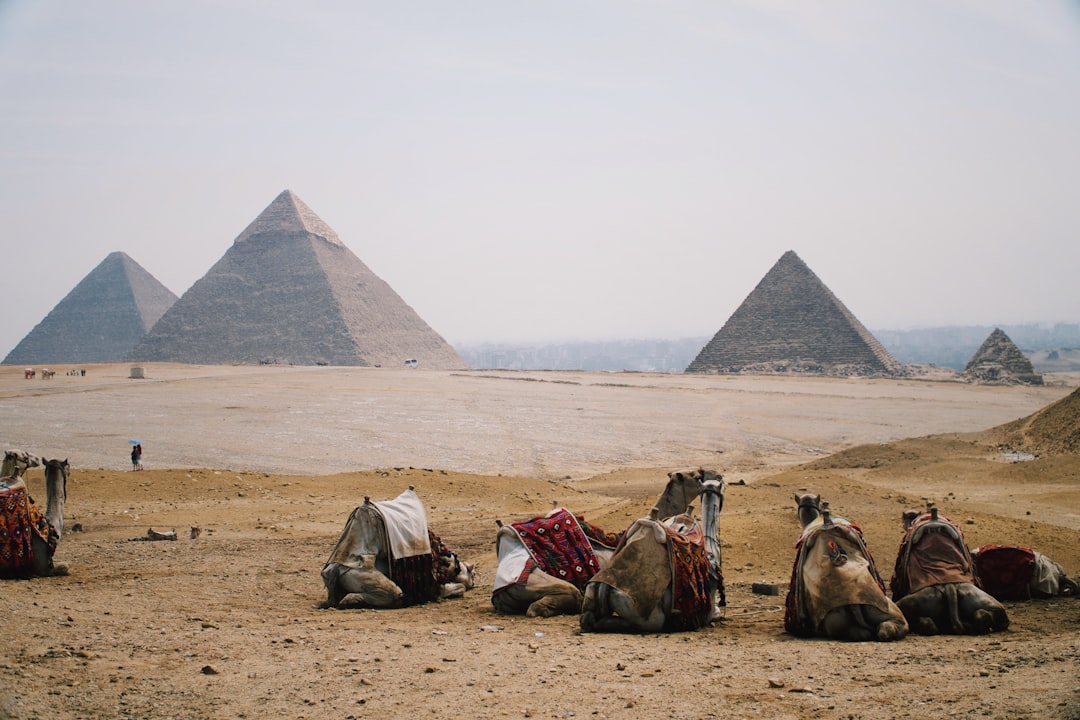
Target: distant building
{"points": [[792, 323], [100, 320], [288, 290]]}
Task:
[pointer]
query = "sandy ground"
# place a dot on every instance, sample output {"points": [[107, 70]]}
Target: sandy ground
{"points": [[229, 625]]}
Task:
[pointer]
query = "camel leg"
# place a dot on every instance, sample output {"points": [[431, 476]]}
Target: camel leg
{"points": [[862, 623], [43, 562], [541, 596], [608, 609], [365, 586]]}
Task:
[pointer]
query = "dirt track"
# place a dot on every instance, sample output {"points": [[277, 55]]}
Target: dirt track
{"points": [[229, 625]]}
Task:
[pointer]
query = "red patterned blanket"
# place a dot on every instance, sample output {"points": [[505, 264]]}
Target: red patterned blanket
{"points": [[559, 546], [690, 602], [19, 520]]}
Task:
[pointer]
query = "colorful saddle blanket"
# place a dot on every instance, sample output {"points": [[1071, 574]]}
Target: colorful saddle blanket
{"points": [[690, 602], [558, 545], [20, 519]]}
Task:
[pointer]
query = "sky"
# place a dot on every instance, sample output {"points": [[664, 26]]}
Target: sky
{"points": [[531, 172]]}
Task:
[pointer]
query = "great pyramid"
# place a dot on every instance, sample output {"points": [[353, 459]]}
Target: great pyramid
{"points": [[999, 362], [288, 290], [101, 320], [792, 323]]}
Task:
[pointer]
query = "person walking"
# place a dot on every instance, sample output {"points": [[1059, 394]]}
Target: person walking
{"points": [[136, 457]]}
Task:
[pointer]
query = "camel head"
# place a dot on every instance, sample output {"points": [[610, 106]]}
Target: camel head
{"points": [[16, 462], [909, 517], [808, 506], [683, 487]]}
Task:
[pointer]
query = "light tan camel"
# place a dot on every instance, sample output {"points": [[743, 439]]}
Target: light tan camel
{"points": [[387, 557], [539, 584], [665, 575], [835, 588]]}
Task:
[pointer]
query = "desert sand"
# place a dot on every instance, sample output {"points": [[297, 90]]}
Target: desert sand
{"points": [[269, 461]]}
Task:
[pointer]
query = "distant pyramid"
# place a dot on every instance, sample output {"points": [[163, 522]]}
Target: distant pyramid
{"points": [[288, 290], [106, 314], [999, 361], [791, 322]]}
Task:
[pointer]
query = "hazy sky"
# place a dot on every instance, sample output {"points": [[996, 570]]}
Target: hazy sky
{"points": [[530, 171]]}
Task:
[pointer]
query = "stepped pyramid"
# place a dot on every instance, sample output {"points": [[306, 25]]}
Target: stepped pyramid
{"points": [[999, 361], [791, 322], [288, 290], [106, 314]]}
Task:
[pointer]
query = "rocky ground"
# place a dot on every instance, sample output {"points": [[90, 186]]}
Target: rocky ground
{"points": [[230, 625]]}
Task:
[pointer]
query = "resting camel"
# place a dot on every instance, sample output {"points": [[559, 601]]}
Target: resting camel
{"points": [[28, 538], [387, 557], [1012, 572], [665, 575], [934, 582], [16, 462], [541, 577], [835, 590]]}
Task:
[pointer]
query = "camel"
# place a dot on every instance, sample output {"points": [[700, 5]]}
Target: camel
{"points": [[1013, 572], [835, 589], [387, 557], [28, 538], [665, 576], [934, 582], [16, 462], [546, 581]]}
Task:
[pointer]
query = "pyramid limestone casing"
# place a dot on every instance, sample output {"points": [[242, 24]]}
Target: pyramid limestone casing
{"points": [[289, 290], [100, 320], [999, 361], [791, 322]]}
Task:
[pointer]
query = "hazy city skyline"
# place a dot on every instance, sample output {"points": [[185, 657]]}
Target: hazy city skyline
{"points": [[558, 171]]}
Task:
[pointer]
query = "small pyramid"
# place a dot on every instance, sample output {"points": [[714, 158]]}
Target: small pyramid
{"points": [[999, 362], [106, 314], [288, 290], [790, 323]]}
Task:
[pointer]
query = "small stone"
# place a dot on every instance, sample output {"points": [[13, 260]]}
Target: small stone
{"points": [[208, 670], [776, 683]]}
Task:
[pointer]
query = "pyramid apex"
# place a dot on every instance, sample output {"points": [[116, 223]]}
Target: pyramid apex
{"points": [[288, 213]]}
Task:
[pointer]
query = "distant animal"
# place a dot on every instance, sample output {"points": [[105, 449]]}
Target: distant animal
{"points": [[47, 374], [665, 576], [1013, 572], [28, 537], [835, 588], [29, 373], [387, 557], [934, 582], [544, 563]]}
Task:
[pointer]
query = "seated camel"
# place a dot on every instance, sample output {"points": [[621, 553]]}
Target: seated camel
{"points": [[665, 576], [28, 536], [835, 588], [544, 563], [934, 582], [1012, 572], [387, 557]]}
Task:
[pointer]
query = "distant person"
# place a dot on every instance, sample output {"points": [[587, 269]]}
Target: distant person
{"points": [[136, 457]]}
